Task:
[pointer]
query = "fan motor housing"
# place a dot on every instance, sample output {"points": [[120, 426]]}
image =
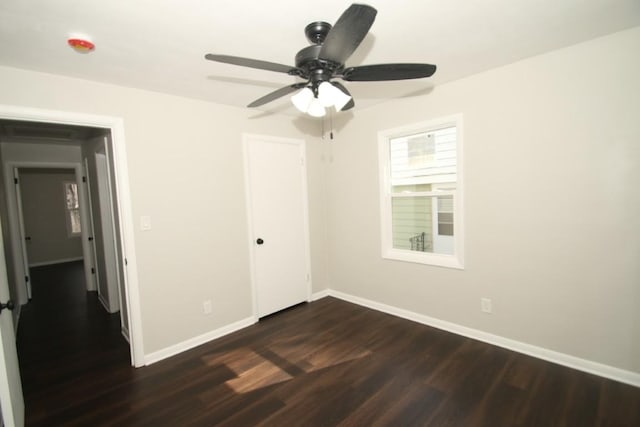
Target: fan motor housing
{"points": [[309, 62], [317, 31], [307, 55], [308, 59]]}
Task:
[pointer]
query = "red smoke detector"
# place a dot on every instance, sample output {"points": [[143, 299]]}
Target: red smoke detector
{"points": [[81, 45]]}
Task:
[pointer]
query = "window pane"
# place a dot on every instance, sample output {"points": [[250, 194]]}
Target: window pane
{"points": [[74, 217], [423, 155], [443, 236], [423, 224], [445, 216], [71, 195], [412, 223]]}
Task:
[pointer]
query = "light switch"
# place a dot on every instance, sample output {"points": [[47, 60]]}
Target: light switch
{"points": [[145, 223]]}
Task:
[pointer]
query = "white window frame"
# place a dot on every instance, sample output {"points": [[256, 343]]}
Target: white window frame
{"points": [[456, 260]]}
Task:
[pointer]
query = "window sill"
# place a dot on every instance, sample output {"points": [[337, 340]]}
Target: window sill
{"points": [[438, 260]]}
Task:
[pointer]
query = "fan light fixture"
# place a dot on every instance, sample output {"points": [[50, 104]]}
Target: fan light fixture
{"points": [[315, 108], [303, 99], [328, 96]]}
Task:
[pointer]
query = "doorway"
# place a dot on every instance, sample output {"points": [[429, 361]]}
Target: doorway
{"points": [[276, 180], [99, 234], [10, 389], [120, 181]]}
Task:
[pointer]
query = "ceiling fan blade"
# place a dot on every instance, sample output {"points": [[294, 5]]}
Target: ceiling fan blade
{"points": [[347, 33], [380, 72], [277, 94], [252, 63], [349, 105]]}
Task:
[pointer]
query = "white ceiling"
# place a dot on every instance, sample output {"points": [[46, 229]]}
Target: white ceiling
{"points": [[159, 45]]}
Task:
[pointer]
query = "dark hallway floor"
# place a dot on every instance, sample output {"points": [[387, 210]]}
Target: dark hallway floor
{"points": [[66, 339]]}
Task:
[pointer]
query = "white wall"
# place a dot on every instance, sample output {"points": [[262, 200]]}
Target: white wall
{"points": [[552, 206], [186, 173]]}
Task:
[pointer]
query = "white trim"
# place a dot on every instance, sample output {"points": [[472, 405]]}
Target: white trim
{"points": [[104, 303], [319, 295], [125, 333], [384, 169], [116, 125], [600, 369], [55, 261], [301, 143], [173, 350]]}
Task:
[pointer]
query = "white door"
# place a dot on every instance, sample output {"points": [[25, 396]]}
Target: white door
{"points": [[277, 203], [94, 276], [11, 400], [108, 232], [23, 235]]}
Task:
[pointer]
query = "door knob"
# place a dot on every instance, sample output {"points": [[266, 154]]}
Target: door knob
{"points": [[9, 306], [259, 241]]}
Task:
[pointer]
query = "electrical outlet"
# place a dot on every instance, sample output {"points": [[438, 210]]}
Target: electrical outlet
{"points": [[206, 307], [485, 305], [145, 223]]}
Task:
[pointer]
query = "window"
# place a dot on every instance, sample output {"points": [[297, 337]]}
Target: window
{"points": [[72, 206], [421, 192]]}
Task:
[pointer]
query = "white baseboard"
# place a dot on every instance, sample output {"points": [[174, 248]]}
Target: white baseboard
{"points": [[157, 356], [602, 370], [55, 261], [319, 295], [105, 304]]}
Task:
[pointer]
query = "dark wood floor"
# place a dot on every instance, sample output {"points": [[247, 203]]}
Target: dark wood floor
{"points": [[327, 363]]}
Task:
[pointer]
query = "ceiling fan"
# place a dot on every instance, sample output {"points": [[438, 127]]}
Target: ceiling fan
{"points": [[322, 62]]}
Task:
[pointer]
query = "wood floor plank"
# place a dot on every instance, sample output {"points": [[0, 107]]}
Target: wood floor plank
{"points": [[326, 363]]}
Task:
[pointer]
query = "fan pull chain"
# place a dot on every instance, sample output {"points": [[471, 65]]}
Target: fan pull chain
{"points": [[323, 130], [331, 124]]}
